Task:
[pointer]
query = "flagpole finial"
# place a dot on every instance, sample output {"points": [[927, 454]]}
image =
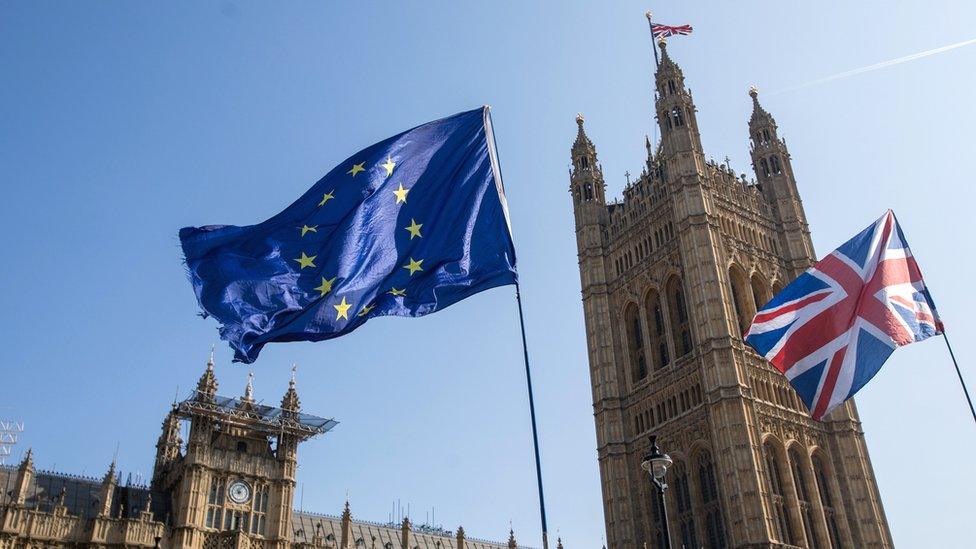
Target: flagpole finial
{"points": [[648, 14], [661, 42], [753, 91]]}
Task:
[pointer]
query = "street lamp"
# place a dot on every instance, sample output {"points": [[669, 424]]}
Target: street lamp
{"points": [[656, 464]]}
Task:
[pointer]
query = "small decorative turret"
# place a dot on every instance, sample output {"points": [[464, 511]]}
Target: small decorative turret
{"points": [[290, 402], [28, 461], [207, 386], [107, 490], [676, 111], [405, 532], [25, 476], [559, 543], [512, 544], [247, 401], [345, 536], [586, 176]]}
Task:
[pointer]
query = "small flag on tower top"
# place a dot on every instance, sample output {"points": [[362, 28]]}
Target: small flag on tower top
{"points": [[830, 330], [665, 31]]}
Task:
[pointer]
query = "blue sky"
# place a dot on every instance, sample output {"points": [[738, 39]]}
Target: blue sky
{"points": [[124, 121]]}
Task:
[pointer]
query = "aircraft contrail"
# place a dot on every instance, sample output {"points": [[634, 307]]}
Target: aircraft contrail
{"points": [[877, 66]]}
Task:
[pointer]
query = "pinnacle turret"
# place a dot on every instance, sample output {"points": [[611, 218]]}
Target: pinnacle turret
{"points": [[28, 461], [582, 143], [512, 544], [207, 386], [759, 114], [290, 401], [247, 400]]}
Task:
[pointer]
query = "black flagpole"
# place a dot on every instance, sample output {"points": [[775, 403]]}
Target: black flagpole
{"points": [[525, 347], [657, 64], [958, 373], [535, 432]]}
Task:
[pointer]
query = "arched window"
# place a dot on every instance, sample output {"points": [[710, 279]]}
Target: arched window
{"points": [[635, 343], [741, 299], [588, 191], [711, 502], [774, 160], [584, 163], [764, 166], [760, 293], [766, 137], [667, 119], [679, 117], [826, 500], [782, 526], [671, 87], [657, 342], [798, 466], [682, 499], [680, 327]]}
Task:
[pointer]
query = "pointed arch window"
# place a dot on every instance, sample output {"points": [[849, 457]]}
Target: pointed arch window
{"points": [[680, 327], [657, 344], [584, 163], [800, 477], [826, 501], [776, 167], [682, 497], [715, 536], [760, 294], [782, 526], [671, 87], [764, 166], [588, 191], [635, 343], [666, 116], [679, 117], [740, 299]]}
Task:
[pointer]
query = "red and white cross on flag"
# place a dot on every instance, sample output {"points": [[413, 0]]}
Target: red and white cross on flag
{"points": [[830, 330]]}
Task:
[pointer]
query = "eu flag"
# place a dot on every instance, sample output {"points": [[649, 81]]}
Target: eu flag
{"points": [[405, 227]]}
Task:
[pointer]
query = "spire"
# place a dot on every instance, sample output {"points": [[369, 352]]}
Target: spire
{"points": [[290, 401], [582, 141], [759, 114], [110, 474], [512, 544], [247, 401], [28, 461], [207, 386], [559, 543]]}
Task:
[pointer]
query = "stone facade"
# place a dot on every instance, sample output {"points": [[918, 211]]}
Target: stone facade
{"points": [[671, 276], [231, 485]]}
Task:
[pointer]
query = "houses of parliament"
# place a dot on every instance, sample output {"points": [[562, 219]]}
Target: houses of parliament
{"points": [[229, 485], [671, 277]]}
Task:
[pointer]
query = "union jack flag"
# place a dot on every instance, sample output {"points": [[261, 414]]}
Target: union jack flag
{"points": [[665, 31], [830, 330]]}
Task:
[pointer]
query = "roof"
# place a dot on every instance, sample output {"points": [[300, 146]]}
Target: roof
{"points": [[273, 420]]}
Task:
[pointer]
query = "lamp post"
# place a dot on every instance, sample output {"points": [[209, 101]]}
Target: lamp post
{"points": [[656, 464]]}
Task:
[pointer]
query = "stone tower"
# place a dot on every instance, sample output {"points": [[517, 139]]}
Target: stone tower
{"points": [[671, 276]]}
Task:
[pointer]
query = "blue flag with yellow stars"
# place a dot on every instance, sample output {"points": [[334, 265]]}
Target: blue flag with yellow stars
{"points": [[405, 227]]}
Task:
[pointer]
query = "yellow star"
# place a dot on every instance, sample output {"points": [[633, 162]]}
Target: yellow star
{"points": [[414, 229], [342, 309], [305, 261], [401, 194], [389, 165], [356, 168], [307, 229], [399, 293], [326, 197], [413, 266], [326, 286], [366, 310]]}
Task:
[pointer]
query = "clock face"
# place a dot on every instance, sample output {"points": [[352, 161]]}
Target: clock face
{"points": [[239, 492]]}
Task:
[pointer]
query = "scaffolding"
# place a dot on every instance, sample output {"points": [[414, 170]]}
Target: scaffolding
{"points": [[9, 431]]}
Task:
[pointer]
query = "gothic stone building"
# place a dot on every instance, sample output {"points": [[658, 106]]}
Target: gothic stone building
{"points": [[671, 277], [229, 486]]}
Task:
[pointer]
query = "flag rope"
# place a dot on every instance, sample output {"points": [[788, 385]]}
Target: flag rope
{"points": [[959, 373]]}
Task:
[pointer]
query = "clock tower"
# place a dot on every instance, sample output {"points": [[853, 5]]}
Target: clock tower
{"points": [[232, 484]]}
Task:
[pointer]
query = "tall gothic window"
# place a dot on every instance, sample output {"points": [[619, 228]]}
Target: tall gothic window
{"points": [[740, 299], [584, 163], [215, 502], [711, 502], [774, 161], [764, 166], [588, 191], [760, 294], [682, 497], [657, 344], [671, 87], [826, 501], [782, 526], [803, 495], [635, 343], [680, 327], [259, 508], [666, 116], [679, 117]]}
